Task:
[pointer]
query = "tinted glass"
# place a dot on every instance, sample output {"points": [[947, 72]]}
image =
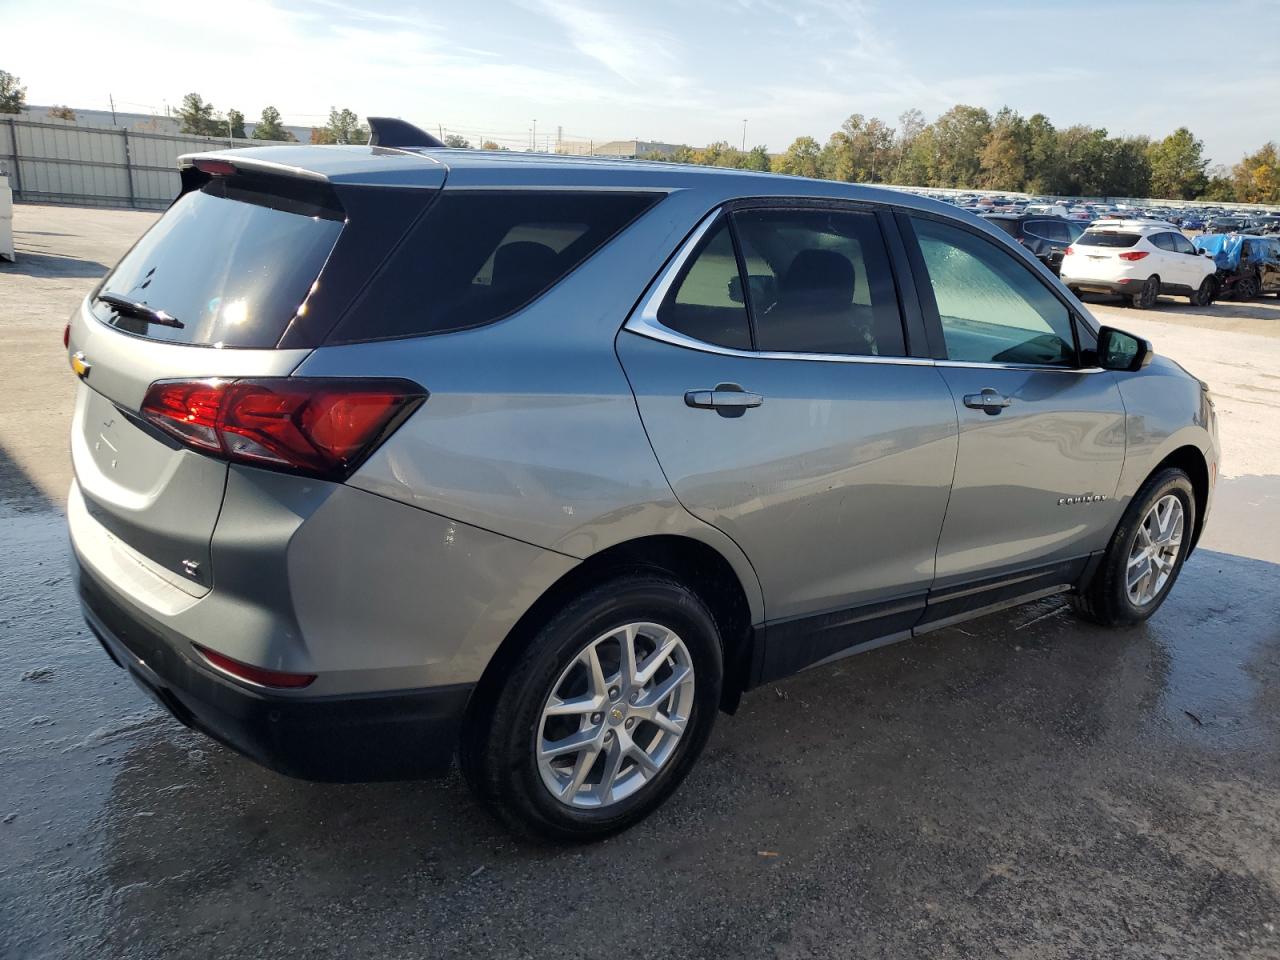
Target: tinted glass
{"points": [[1163, 240], [1008, 226], [1107, 238], [477, 257], [992, 308], [820, 282], [1049, 230], [231, 261], [1182, 245], [707, 303]]}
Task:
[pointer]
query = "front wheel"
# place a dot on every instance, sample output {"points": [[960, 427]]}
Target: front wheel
{"points": [[1204, 293], [1145, 554], [601, 717], [1247, 288], [1145, 298]]}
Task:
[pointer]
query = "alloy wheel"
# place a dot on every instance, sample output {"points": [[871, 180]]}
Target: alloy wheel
{"points": [[614, 718], [1155, 550]]}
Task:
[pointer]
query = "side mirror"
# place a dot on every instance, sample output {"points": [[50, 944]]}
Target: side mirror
{"points": [[1118, 350]]}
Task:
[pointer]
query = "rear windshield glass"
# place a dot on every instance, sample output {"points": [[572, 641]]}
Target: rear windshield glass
{"points": [[230, 262], [1107, 239], [477, 257]]}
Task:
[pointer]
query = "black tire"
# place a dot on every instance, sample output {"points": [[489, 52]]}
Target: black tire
{"points": [[1204, 293], [497, 751], [1105, 599], [1247, 288], [1145, 298]]}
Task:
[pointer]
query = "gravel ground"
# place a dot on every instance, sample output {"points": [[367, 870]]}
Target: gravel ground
{"points": [[1022, 786]]}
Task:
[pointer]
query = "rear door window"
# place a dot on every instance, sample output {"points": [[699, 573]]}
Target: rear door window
{"points": [[707, 303], [1163, 240], [232, 262], [819, 281], [477, 257], [1182, 245]]}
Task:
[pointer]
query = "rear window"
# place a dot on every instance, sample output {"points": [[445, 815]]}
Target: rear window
{"points": [[231, 262], [477, 257], [1107, 238]]}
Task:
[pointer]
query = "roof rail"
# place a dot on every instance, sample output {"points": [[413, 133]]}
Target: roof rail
{"points": [[392, 132]]}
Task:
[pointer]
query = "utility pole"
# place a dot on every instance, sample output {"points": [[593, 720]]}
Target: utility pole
{"points": [[559, 136], [744, 135], [112, 101], [533, 135]]}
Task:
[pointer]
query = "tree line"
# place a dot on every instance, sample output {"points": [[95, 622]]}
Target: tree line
{"points": [[966, 147], [969, 148]]}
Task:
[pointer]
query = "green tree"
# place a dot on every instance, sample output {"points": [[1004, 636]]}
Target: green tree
{"points": [[911, 124], [1129, 168], [1177, 166], [1004, 158], [345, 127], [720, 154], [1256, 178], [961, 134], [861, 151], [457, 141], [234, 124], [491, 145], [757, 158], [270, 127], [1043, 156], [13, 96], [198, 117], [62, 112], [1220, 189], [800, 159]]}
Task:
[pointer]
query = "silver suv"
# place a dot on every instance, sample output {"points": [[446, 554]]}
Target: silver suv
{"points": [[388, 453]]}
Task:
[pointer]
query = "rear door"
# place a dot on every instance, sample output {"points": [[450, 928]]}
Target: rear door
{"points": [[773, 378], [1042, 438], [229, 265]]}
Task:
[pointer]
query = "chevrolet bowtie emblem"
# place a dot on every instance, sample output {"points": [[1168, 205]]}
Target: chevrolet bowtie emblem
{"points": [[80, 365]]}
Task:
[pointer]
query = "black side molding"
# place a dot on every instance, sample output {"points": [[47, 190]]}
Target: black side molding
{"points": [[390, 132]]}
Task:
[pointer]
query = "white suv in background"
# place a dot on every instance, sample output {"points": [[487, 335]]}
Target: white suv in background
{"points": [[1139, 259]]}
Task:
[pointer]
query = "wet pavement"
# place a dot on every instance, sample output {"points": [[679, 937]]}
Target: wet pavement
{"points": [[1023, 785]]}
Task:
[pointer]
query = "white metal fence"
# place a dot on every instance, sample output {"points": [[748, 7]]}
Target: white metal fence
{"points": [[52, 161]]}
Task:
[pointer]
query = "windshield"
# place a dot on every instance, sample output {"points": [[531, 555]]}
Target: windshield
{"points": [[230, 262]]}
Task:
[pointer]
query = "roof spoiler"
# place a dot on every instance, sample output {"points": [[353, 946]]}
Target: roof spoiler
{"points": [[391, 132]]}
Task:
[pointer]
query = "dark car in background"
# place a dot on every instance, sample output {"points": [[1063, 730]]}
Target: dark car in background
{"points": [[1224, 224], [1247, 265], [1045, 237]]}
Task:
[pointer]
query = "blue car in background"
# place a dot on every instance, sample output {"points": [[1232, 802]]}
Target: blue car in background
{"points": [[1247, 266]]}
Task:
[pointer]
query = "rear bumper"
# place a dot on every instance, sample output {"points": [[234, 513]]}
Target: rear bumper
{"points": [[350, 738], [1123, 286]]}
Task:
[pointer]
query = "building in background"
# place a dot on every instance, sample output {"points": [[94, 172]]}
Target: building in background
{"points": [[621, 149]]}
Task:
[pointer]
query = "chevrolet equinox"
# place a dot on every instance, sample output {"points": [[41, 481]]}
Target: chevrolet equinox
{"points": [[394, 452]]}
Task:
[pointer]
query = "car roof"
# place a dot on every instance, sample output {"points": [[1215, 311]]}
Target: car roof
{"points": [[1132, 226]]}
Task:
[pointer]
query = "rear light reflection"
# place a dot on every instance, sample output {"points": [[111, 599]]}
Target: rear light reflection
{"points": [[1069, 251], [1133, 255], [66, 336], [258, 676], [319, 427]]}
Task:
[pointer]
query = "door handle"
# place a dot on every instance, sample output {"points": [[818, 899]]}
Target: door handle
{"points": [[729, 398], [989, 400]]}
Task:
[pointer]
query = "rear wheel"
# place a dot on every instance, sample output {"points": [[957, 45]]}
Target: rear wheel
{"points": [[1204, 293], [1145, 298], [1145, 554], [1247, 288], [602, 716]]}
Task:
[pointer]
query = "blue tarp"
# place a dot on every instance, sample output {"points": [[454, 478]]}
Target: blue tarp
{"points": [[1225, 248]]}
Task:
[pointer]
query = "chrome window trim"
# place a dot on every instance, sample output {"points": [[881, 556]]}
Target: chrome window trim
{"points": [[644, 322]]}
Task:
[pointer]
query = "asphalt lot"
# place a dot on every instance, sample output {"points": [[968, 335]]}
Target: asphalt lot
{"points": [[1024, 786]]}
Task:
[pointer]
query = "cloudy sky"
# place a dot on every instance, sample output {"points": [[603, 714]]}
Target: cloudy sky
{"points": [[676, 71]]}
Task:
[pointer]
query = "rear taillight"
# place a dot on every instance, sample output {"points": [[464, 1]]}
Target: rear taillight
{"points": [[1069, 251], [319, 427], [258, 676], [66, 336], [1133, 255], [216, 168]]}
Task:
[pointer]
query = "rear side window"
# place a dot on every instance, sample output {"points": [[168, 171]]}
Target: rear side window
{"points": [[478, 257], [1107, 238], [1008, 226], [1163, 240], [707, 303], [231, 261], [819, 281]]}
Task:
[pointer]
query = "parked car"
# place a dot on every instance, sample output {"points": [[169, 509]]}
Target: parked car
{"points": [[1192, 221], [384, 451], [1224, 224], [1045, 237], [1246, 265], [1139, 259]]}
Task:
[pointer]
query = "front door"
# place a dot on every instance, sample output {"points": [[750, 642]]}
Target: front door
{"points": [[1042, 440], [783, 408]]}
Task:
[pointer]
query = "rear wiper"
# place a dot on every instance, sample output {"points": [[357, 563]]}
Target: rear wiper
{"points": [[140, 310]]}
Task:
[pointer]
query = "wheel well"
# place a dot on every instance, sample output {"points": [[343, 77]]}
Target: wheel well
{"points": [[1190, 460], [699, 567]]}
